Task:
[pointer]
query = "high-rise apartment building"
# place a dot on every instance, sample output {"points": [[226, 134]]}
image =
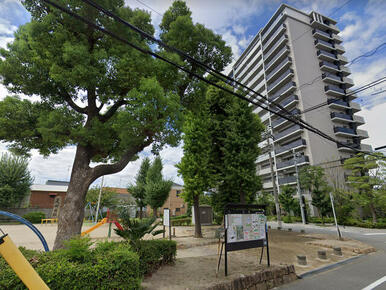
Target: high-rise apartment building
{"points": [[297, 61]]}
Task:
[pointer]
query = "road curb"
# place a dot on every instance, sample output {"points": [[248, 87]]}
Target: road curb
{"points": [[328, 267]]}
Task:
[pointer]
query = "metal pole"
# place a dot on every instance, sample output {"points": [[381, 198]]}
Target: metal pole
{"points": [[336, 222], [298, 189], [275, 194], [99, 200]]}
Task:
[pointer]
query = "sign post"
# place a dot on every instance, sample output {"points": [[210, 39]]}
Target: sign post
{"points": [[166, 222], [245, 227]]}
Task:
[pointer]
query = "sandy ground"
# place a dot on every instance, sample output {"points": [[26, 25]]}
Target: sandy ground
{"points": [[197, 259]]}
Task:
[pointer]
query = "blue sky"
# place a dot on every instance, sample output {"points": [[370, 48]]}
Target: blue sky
{"points": [[363, 28]]}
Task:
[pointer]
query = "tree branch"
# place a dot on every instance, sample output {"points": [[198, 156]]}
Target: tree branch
{"points": [[112, 110], [105, 169], [72, 104]]}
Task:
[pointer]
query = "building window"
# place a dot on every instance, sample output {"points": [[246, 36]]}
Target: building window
{"points": [[177, 209], [178, 192]]}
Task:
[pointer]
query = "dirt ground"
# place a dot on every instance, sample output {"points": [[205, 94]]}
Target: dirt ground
{"points": [[197, 259]]}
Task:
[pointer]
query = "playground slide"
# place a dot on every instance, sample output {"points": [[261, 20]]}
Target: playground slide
{"points": [[20, 265], [103, 221], [118, 225]]}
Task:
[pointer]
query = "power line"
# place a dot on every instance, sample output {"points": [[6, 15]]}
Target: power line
{"points": [[144, 4], [242, 97]]}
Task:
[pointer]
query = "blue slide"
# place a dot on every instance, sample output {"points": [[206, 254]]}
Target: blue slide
{"points": [[28, 224]]}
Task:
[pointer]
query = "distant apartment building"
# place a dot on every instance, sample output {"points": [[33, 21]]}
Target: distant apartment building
{"points": [[297, 60]]}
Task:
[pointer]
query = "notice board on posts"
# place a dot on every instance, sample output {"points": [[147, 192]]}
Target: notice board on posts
{"points": [[245, 227]]}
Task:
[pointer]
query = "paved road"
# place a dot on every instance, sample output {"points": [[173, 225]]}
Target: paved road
{"points": [[366, 271]]}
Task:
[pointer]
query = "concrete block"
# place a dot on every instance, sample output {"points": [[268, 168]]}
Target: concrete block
{"points": [[302, 260], [338, 251], [322, 254]]}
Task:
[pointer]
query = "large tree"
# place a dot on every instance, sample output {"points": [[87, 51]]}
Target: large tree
{"points": [[96, 93], [287, 199], [157, 188], [108, 199], [368, 179], [138, 190], [194, 166], [313, 179], [15, 180]]}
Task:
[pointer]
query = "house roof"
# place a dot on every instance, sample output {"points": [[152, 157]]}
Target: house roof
{"points": [[45, 187]]}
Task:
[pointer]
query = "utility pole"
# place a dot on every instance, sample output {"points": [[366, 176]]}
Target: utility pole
{"points": [[99, 200], [275, 193], [336, 222], [295, 156]]}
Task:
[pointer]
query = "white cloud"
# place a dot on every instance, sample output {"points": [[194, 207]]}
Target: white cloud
{"points": [[375, 125]]}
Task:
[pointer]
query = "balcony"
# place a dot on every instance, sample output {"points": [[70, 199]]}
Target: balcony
{"points": [[262, 158], [289, 163], [294, 145], [282, 121], [339, 48], [337, 38], [342, 59], [287, 133], [317, 33], [329, 67], [284, 91], [287, 180], [287, 102], [348, 146], [334, 91], [272, 39], [343, 131], [285, 63], [322, 44], [332, 78], [267, 185], [348, 82], [341, 117], [366, 148], [322, 25], [264, 171], [279, 56], [359, 120], [328, 56], [355, 107], [285, 77], [338, 104], [345, 70], [363, 134], [273, 50]]}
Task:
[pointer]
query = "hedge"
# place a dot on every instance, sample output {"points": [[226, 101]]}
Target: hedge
{"points": [[110, 265], [35, 217], [182, 222]]}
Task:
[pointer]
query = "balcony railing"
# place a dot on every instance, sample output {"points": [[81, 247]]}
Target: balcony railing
{"points": [[278, 67], [341, 116], [282, 90], [286, 102], [278, 55], [322, 33], [326, 43], [287, 132], [288, 163], [271, 27], [281, 120], [344, 130], [328, 64], [332, 76], [273, 48], [279, 79], [287, 179], [297, 143], [338, 102], [359, 119], [270, 41], [325, 53], [348, 145], [334, 89]]}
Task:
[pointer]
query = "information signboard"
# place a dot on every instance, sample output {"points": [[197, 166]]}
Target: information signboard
{"points": [[245, 227], [166, 219]]}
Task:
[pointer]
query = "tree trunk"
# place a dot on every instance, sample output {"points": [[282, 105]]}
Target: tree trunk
{"points": [[72, 213], [197, 219], [373, 213], [242, 197], [155, 212], [140, 213]]}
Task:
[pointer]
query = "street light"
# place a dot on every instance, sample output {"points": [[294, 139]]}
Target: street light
{"points": [[295, 156]]}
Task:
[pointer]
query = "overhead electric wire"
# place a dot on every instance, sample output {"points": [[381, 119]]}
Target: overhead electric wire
{"points": [[106, 31]]}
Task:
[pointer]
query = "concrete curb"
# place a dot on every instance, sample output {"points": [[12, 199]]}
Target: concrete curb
{"points": [[328, 267]]}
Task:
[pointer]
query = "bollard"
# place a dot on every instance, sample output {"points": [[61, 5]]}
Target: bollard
{"points": [[322, 255], [338, 251], [302, 260], [289, 229], [174, 232]]}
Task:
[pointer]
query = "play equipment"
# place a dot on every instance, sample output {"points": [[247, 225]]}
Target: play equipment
{"points": [[28, 224], [19, 264], [110, 218], [90, 211]]}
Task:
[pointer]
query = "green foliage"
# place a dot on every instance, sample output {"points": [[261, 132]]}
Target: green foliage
{"points": [[110, 265], [157, 189], [266, 199], [35, 217], [78, 249], [343, 205], [134, 229], [312, 178], [368, 179], [155, 253], [287, 200], [108, 198], [182, 221], [15, 179], [138, 190]]}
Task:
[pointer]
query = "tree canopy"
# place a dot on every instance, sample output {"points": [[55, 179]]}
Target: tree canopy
{"points": [[138, 190], [287, 200], [97, 93], [15, 180], [108, 198]]}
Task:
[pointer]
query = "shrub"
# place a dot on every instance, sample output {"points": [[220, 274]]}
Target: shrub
{"points": [[154, 253], [183, 216], [182, 222], [78, 249], [34, 217]]}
